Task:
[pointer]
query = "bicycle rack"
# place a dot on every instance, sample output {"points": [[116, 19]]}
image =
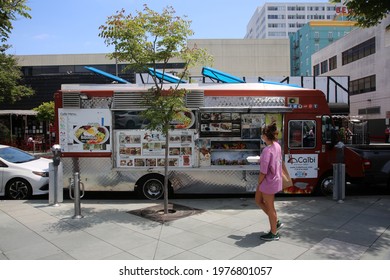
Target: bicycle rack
{"points": [[74, 183]]}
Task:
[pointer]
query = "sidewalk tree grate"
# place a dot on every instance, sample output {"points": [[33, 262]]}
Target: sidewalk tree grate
{"points": [[175, 212]]}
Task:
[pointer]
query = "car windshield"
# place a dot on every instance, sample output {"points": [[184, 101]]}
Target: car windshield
{"points": [[15, 155]]}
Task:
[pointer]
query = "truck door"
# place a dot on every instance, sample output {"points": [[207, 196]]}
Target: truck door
{"points": [[302, 149]]}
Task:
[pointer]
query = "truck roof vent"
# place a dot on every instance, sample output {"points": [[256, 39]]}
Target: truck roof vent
{"points": [[71, 100], [96, 102], [127, 100], [195, 99]]}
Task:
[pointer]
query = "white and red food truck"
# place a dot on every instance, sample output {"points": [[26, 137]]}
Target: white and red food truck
{"points": [[104, 137]]}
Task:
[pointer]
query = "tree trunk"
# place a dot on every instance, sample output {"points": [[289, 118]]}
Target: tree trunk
{"points": [[166, 173]]}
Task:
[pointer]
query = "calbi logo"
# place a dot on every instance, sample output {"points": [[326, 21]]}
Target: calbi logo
{"points": [[302, 159]]}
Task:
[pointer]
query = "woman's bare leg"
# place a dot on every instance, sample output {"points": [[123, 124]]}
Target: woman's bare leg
{"points": [[269, 202], [260, 201]]}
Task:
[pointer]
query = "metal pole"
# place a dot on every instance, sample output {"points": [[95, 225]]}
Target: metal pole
{"points": [[77, 203], [10, 129], [54, 182], [339, 174], [55, 202]]}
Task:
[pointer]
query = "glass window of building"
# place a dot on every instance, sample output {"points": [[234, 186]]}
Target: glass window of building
{"points": [[332, 63], [363, 85], [316, 70], [359, 51], [324, 66]]}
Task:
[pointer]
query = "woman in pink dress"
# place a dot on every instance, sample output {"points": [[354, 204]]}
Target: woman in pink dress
{"points": [[270, 179]]}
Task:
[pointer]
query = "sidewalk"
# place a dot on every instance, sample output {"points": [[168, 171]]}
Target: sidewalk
{"points": [[228, 228]]}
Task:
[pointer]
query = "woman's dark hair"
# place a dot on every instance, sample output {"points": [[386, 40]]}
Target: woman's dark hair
{"points": [[271, 131]]}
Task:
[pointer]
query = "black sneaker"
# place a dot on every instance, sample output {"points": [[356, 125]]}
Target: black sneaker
{"points": [[279, 225], [270, 237]]}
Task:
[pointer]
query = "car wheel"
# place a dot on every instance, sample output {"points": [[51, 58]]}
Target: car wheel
{"points": [[325, 185], [153, 189], [18, 189]]}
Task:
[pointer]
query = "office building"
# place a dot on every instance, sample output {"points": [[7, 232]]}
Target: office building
{"points": [[278, 20], [363, 54], [312, 37]]}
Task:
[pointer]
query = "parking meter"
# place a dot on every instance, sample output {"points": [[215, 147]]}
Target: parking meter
{"points": [[55, 177], [340, 146], [56, 149]]}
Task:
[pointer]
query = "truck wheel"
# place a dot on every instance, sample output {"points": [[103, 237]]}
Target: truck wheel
{"points": [[153, 189], [325, 185]]}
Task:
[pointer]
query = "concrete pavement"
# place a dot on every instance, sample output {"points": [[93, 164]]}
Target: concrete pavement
{"points": [[315, 228]]}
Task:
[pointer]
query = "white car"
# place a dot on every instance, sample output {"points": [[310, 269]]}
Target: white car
{"points": [[22, 174]]}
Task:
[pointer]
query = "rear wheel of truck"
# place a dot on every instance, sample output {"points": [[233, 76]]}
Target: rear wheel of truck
{"points": [[325, 185], [152, 187]]}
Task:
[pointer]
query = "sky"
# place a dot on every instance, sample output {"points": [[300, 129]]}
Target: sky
{"points": [[72, 26]]}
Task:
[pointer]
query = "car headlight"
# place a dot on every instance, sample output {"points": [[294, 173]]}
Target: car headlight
{"points": [[41, 173]]}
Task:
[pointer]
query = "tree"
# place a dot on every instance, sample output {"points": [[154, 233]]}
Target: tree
{"points": [[148, 39], [367, 13], [46, 113], [10, 75]]}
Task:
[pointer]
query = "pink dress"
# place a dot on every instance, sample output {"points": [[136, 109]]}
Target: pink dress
{"points": [[271, 166]]}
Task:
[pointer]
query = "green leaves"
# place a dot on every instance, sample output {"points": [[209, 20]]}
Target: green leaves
{"points": [[10, 77], [9, 9], [367, 13], [163, 107], [147, 39], [45, 111]]}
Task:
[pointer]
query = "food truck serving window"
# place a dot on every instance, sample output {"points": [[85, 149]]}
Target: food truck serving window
{"points": [[301, 134]]}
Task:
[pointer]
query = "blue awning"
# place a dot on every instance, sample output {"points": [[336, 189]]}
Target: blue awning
{"points": [[165, 77], [220, 76], [107, 75], [280, 84]]}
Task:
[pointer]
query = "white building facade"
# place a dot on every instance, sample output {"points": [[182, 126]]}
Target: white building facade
{"points": [[364, 55], [239, 57], [246, 57], [278, 20]]}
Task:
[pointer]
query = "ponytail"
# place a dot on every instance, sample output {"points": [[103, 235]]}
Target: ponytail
{"points": [[271, 131]]}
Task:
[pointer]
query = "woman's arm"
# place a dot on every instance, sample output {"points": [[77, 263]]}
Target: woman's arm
{"points": [[261, 178]]}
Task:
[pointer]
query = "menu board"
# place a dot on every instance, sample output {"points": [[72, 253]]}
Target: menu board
{"points": [[220, 124], [140, 148], [251, 125], [84, 131], [275, 118]]}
